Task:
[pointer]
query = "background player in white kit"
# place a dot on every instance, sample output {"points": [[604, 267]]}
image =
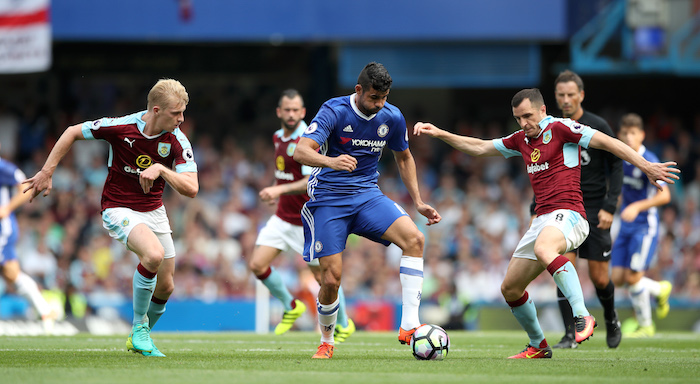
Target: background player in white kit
{"points": [[147, 149], [284, 231], [550, 149]]}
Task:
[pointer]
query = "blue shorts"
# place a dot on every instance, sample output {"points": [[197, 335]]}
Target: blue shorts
{"points": [[327, 224], [8, 240], [634, 251]]}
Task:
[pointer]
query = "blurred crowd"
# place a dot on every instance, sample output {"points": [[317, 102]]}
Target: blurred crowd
{"points": [[484, 203]]}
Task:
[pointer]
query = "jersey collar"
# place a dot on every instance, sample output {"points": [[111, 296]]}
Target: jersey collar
{"points": [[357, 110], [544, 123], [297, 132]]}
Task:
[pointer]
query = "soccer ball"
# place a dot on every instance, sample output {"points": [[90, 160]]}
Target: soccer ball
{"points": [[430, 342]]}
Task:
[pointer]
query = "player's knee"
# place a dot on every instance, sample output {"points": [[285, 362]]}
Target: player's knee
{"points": [[153, 258], [600, 282], [509, 293], [331, 280], [618, 281], [631, 280], [164, 289], [414, 244], [540, 250], [257, 267], [331, 283]]}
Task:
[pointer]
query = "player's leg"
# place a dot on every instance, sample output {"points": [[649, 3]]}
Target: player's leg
{"points": [[567, 315], [326, 230], [642, 247], [563, 230], [641, 303], [404, 233], [165, 284], [328, 303], [382, 220], [28, 288], [662, 291], [275, 237], [521, 271], [259, 264], [145, 244], [344, 326], [599, 271]]}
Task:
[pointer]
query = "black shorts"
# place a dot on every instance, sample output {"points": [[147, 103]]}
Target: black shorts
{"points": [[598, 244]]}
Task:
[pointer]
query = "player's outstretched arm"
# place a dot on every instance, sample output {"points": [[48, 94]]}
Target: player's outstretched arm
{"points": [[42, 180], [655, 171], [407, 171], [306, 153], [469, 145]]}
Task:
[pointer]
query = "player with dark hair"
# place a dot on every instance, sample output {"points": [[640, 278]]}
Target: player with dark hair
{"points": [[344, 143], [601, 182], [147, 150], [284, 231], [550, 149], [637, 241]]}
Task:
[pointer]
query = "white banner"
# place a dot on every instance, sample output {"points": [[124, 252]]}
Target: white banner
{"points": [[25, 36]]}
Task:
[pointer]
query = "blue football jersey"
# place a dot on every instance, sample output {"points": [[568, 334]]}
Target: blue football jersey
{"points": [[341, 128], [636, 186], [10, 176]]}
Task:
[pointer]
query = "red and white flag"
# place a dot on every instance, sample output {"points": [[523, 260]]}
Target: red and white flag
{"points": [[25, 36]]}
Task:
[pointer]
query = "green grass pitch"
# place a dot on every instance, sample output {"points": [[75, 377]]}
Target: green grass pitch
{"points": [[474, 357]]}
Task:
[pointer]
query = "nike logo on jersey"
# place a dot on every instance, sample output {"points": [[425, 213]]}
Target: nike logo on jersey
{"points": [[347, 129], [131, 142]]}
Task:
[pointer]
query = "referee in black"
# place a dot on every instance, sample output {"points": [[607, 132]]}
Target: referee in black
{"points": [[601, 183]]}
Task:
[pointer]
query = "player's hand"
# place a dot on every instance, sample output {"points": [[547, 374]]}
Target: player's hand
{"points": [[42, 181], [343, 163], [629, 213], [148, 176], [429, 212], [4, 211], [269, 195], [605, 219], [426, 128], [664, 172]]}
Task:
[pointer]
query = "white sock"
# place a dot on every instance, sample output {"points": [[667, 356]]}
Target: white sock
{"points": [[411, 276], [26, 286], [327, 316], [641, 303], [652, 286]]}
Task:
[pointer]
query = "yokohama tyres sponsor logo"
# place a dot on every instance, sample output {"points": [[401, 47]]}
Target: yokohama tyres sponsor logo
{"points": [[532, 168], [376, 145]]}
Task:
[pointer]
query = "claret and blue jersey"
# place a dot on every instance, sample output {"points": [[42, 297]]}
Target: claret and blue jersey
{"points": [[553, 162], [341, 128], [130, 152]]}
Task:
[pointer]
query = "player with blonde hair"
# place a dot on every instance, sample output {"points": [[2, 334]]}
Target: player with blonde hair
{"points": [[147, 150]]}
